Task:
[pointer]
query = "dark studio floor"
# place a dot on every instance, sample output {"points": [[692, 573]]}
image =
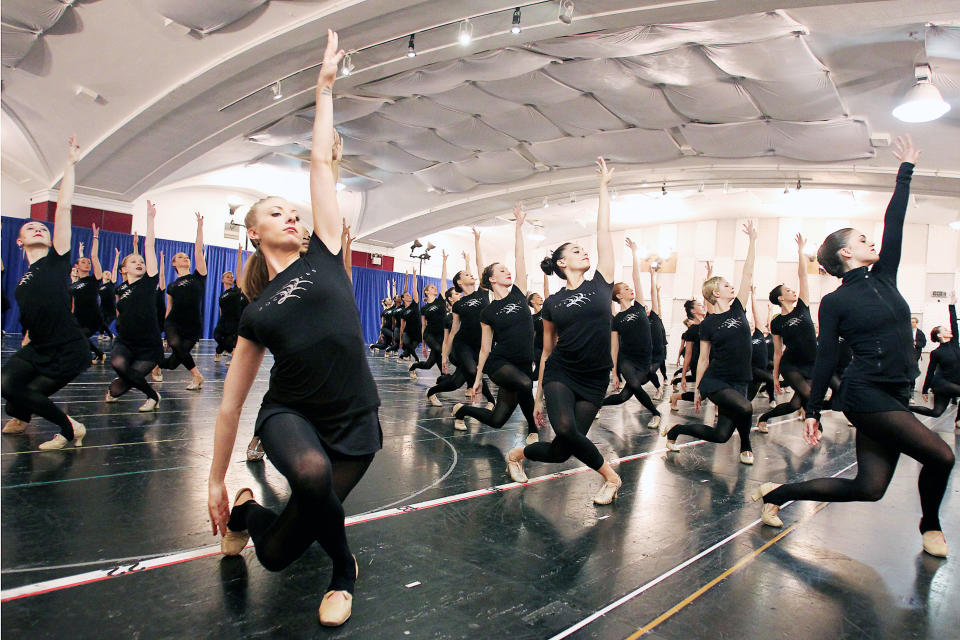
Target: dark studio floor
{"points": [[112, 540]]}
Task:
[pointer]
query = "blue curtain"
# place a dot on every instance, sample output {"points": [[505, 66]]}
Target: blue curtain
{"points": [[369, 285]]}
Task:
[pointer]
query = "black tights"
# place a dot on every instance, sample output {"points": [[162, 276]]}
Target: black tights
{"points": [[514, 388], [762, 378], [466, 373], [436, 353], [634, 378], [320, 480], [657, 365], [735, 414], [571, 418], [881, 438], [131, 372], [181, 347], [409, 347], [226, 342], [943, 392], [801, 392], [94, 349], [28, 393], [386, 337]]}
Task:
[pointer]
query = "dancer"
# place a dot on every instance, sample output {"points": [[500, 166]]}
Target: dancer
{"points": [[433, 312], [506, 350], [724, 370], [108, 297], [658, 336], [232, 303], [184, 323], [138, 346], [576, 354], [762, 375], [868, 311], [793, 329], [85, 294], [691, 352], [386, 331], [631, 344], [411, 331], [395, 314], [57, 351], [318, 422], [535, 302], [943, 371]]}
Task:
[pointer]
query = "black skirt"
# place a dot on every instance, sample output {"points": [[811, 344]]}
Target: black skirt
{"points": [[358, 435], [862, 396], [60, 361], [494, 363], [590, 385], [709, 385], [805, 368]]}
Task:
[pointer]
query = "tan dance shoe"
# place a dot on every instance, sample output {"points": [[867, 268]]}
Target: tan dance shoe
{"points": [[233, 542]]}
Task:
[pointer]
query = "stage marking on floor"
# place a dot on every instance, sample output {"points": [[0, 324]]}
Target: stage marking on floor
{"points": [[667, 574], [67, 582]]}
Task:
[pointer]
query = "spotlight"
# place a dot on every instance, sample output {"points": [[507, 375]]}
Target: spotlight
{"points": [[416, 245], [613, 193], [277, 91], [663, 191], [565, 15], [515, 28], [347, 67], [799, 186], [700, 188], [923, 102], [430, 246], [411, 49], [465, 33]]}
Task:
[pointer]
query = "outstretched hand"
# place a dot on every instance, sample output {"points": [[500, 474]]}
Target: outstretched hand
{"points": [[96, 231], [633, 245], [750, 229], [606, 173], [476, 232], [80, 249], [519, 213], [811, 432], [801, 242], [904, 151], [332, 56], [151, 210], [73, 150], [199, 218], [444, 255]]}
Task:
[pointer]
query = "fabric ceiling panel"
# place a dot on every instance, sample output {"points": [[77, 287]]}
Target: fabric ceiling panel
{"points": [[429, 146], [423, 112], [737, 140], [346, 109], [206, 16], [582, 116], [469, 99], [376, 127], [527, 124], [15, 44], [475, 135], [715, 101], [445, 177], [497, 167], [844, 139], [355, 182], [803, 98], [384, 155], [943, 41], [629, 146], [286, 131], [642, 40], [618, 89], [536, 88], [444, 76], [34, 15]]}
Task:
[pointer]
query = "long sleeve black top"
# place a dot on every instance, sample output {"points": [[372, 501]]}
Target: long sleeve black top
{"points": [[868, 311], [945, 359]]}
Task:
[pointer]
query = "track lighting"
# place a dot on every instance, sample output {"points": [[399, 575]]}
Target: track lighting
{"points": [[465, 32], [277, 91], [411, 49], [515, 27], [565, 14], [799, 186], [663, 191], [923, 102], [347, 67]]}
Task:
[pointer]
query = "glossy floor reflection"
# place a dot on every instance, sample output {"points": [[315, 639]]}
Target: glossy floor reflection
{"points": [[84, 530]]}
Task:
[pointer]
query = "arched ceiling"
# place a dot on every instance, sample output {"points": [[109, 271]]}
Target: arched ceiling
{"points": [[700, 92]]}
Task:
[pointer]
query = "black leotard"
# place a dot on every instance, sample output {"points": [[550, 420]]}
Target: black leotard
{"points": [[658, 338], [137, 325], [433, 313], [945, 359], [232, 303], [633, 328], [186, 310], [108, 301], [512, 326], [468, 309], [86, 303], [799, 339], [730, 350]]}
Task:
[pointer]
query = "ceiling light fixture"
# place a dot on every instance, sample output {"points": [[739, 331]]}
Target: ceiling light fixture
{"points": [[411, 49], [565, 14], [515, 27], [465, 32], [546, 203], [799, 185], [700, 188], [340, 186], [955, 225], [726, 187], [277, 91], [347, 67], [923, 102], [573, 198], [663, 191], [786, 189]]}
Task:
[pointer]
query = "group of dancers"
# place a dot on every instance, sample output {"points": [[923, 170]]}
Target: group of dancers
{"points": [[552, 355]]}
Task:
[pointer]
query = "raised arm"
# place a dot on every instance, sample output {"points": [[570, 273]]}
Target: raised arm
{"points": [[323, 193], [347, 241], [891, 247], [828, 351], [163, 273], [200, 261], [518, 250], [476, 248], [604, 237], [637, 284], [952, 308], [803, 290], [415, 293], [654, 292], [116, 264], [753, 307], [62, 219], [95, 254], [149, 251], [746, 278], [236, 277], [406, 281], [443, 275], [136, 243]]}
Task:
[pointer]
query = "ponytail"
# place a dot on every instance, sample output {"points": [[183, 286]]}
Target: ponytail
{"points": [[255, 276], [486, 275], [828, 255], [549, 264]]}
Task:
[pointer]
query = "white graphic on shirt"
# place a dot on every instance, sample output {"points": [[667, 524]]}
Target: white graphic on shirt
{"points": [[792, 322], [472, 303], [27, 277], [630, 317], [731, 323], [288, 290], [124, 292], [577, 300], [508, 308]]}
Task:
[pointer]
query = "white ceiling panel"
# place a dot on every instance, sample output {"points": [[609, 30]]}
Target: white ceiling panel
{"points": [[206, 16], [429, 146], [423, 112], [34, 15], [291, 129], [475, 135], [536, 88], [377, 127], [496, 167], [384, 155], [469, 99], [527, 124], [348, 108], [445, 177], [631, 145], [15, 44], [844, 139], [582, 116]]}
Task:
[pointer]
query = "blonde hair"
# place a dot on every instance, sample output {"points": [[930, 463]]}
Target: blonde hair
{"points": [[710, 289], [255, 275], [617, 288]]}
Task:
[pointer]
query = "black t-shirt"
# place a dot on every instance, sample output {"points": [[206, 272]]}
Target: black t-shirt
{"points": [[448, 321], [433, 313], [395, 315], [385, 318], [729, 336], [538, 331], [512, 327], [411, 314], [658, 338], [108, 299], [45, 301], [86, 301], [232, 303], [137, 323], [186, 310], [798, 334], [307, 317], [633, 327], [692, 336], [161, 304], [469, 308], [582, 319], [758, 346]]}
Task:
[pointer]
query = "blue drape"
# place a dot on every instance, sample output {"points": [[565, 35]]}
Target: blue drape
{"points": [[369, 285]]}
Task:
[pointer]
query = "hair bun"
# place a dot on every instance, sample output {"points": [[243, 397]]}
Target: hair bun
{"points": [[548, 266]]}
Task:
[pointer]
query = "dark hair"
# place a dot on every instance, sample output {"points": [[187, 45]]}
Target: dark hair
{"points": [[449, 292], [456, 281], [485, 276], [828, 255], [530, 299], [688, 307], [617, 288], [935, 334], [549, 264], [775, 294]]}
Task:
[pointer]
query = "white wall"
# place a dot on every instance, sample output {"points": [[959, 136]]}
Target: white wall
{"points": [[14, 199]]}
